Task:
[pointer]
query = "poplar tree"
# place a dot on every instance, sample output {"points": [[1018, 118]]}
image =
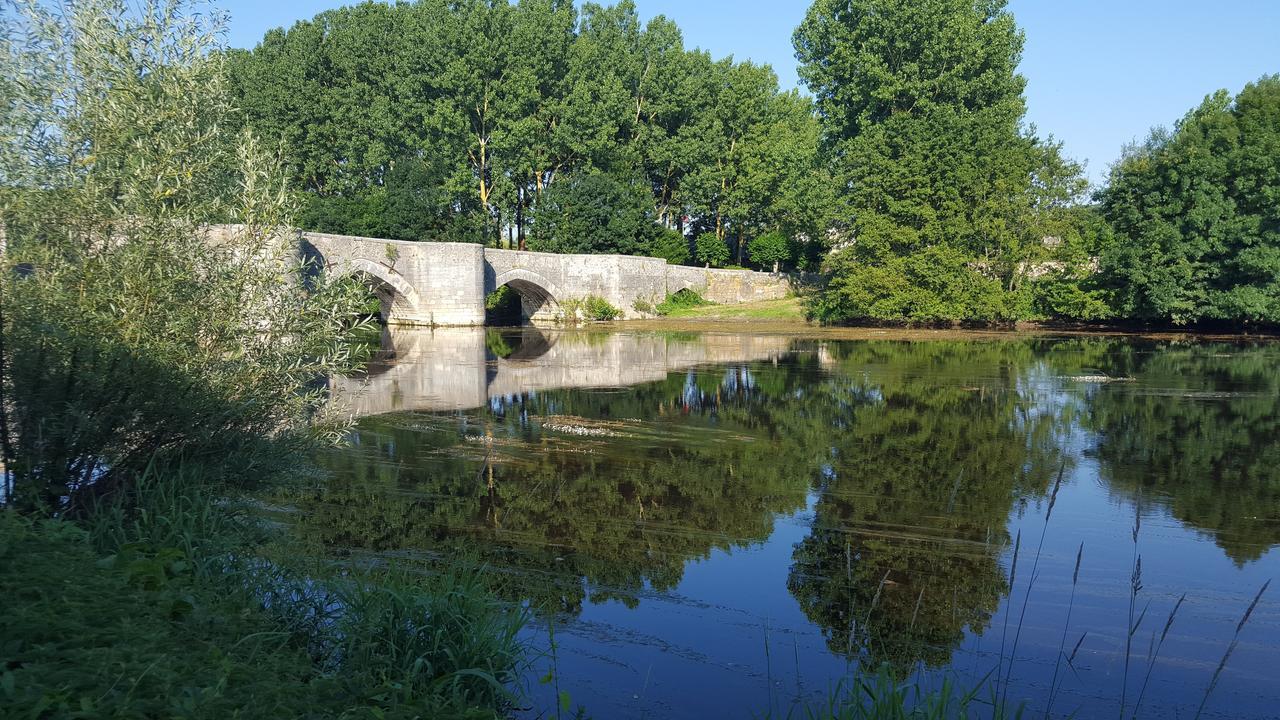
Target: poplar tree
{"points": [[922, 111]]}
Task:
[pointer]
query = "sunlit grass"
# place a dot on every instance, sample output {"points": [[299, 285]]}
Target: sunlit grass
{"points": [[786, 309]]}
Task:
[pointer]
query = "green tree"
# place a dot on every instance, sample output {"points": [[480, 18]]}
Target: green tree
{"points": [[1196, 217], [670, 245], [922, 108], [772, 248], [130, 331], [454, 120], [594, 213], [711, 250]]}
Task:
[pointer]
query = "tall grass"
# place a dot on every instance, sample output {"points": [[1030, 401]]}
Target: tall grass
{"points": [[1062, 643], [1031, 582], [177, 578], [1235, 639], [880, 694], [877, 695]]}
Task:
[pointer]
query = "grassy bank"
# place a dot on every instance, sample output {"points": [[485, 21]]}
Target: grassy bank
{"points": [[784, 310], [178, 609]]}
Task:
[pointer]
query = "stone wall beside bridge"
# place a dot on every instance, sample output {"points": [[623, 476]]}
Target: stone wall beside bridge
{"points": [[445, 284]]}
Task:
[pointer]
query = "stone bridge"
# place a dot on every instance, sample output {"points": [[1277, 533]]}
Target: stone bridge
{"points": [[443, 284], [455, 368]]}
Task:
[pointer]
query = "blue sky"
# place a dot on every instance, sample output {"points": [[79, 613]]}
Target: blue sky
{"points": [[1100, 72]]}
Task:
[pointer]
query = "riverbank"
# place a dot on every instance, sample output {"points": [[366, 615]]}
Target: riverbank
{"points": [[784, 310], [787, 316], [186, 608]]}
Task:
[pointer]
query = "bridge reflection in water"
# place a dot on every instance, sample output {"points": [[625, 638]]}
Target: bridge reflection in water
{"points": [[460, 368]]}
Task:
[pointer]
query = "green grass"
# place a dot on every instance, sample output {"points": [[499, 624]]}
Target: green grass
{"points": [[878, 696], [134, 635], [164, 607], [784, 310]]}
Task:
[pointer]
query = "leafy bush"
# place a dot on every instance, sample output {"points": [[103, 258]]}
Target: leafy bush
{"points": [[770, 249], [589, 308], [129, 330], [597, 308], [711, 250], [937, 284]]}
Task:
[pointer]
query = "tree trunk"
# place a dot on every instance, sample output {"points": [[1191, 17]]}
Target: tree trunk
{"points": [[520, 219]]}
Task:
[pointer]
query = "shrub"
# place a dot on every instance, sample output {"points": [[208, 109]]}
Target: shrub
{"points": [[681, 300], [711, 250], [131, 331], [598, 308], [933, 285], [589, 308]]}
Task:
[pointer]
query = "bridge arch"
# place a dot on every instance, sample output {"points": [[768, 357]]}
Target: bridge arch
{"points": [[397, 295], [539, 297]]}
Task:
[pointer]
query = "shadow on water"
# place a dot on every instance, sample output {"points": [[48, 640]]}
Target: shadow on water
{"points": [[858, 497]]}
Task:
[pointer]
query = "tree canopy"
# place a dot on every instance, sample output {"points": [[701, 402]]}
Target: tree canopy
{"points": [[944, 192], [443, 120], [1197, 214]]}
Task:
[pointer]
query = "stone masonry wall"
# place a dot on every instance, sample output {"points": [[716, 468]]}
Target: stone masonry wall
{"points": [[445, 284]]}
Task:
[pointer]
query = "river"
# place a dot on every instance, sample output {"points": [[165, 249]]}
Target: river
{"points": [[727, 523]]}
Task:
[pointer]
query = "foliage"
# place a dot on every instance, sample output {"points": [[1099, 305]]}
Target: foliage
{"points": [[498, 298], [129, 329], [410, 204], [590, 308], [772, 248], [1196, 215], [1063, 277], [681, 300], [503, 306], [945, 194], [670, 245], [594, 213], [711, 250], [453, 120], [161, 595], [934, 284]]}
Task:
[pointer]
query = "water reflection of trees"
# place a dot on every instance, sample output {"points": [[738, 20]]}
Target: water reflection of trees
{"points": [[938, 445], [577, 518], [917, 454], [1198, 430]]}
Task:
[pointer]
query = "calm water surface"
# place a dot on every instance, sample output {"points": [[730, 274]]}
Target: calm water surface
{"points": [[720, 524]]}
